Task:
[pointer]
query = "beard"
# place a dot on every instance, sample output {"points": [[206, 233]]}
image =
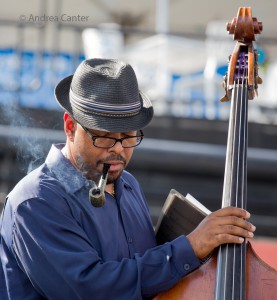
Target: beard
{"points": [[91, 171]]}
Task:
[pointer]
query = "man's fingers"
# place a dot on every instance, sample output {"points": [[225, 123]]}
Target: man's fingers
{"points": [[233, 211], [235, 222], [234, 230], [229, 239], [226, 226]]}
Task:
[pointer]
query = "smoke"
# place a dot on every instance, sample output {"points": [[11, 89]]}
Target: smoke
{"points": [[31, 150], [27, 136]]}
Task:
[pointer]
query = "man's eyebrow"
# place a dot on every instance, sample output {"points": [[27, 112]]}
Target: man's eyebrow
{"points": [[104, 134], [128, 133]]}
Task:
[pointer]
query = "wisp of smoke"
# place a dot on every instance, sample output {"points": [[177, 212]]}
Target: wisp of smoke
{"points": [[31, 148]]}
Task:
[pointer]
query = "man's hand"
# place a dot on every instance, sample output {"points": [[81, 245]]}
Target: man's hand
{"points": [[226, 225]]}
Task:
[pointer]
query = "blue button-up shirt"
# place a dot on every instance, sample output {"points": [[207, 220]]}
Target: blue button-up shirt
{"points": [[56, 245]]}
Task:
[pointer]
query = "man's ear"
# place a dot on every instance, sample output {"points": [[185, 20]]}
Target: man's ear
{"points": [[69, 126]]}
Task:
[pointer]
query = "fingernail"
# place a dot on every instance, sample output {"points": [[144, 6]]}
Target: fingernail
{"points": [[247, 214], [241, 239], [250, 234], [253, 227]]}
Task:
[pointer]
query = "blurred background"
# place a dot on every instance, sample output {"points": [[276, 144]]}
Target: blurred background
{"points": [[180, 51]]}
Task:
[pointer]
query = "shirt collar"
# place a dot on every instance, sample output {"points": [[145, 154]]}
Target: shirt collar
{"points": [[64, 171]]}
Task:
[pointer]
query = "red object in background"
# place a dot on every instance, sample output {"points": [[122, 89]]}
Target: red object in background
{"points": [[266, 249]]}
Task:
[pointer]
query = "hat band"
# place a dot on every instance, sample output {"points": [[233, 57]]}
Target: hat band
{"points": [[104, 108]]}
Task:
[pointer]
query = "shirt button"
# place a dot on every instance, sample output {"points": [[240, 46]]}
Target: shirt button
{"points": [[186, 267], [130, 240]]}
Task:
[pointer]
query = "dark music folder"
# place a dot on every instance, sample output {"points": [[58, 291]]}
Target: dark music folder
{"points": [[180, 215]]}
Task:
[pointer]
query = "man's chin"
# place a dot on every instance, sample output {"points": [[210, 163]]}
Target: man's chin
{"points": [[113, 176]]}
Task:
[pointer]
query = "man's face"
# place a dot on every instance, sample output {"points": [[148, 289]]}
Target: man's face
{"points": [[89, 159]]}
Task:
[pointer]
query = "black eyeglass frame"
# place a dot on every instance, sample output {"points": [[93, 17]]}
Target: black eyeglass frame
{"points": [[94, 138]]}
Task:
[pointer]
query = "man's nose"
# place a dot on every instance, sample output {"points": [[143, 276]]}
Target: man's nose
{"points": [[117, 147]]}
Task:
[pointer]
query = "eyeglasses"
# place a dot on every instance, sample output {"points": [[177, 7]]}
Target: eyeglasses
{"points": [[108, 142]]}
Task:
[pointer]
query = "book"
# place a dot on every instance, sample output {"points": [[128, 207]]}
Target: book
{"points": [[180, 215]]}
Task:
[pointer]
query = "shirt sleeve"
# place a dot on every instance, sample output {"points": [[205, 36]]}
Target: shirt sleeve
{"points": [[62, 263]]}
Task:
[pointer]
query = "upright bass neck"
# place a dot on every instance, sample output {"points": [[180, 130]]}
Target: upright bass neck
{"points": [[241, 83], [231, 260]]}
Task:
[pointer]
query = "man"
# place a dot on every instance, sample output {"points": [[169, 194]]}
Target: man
{"points": [[58, 244]]}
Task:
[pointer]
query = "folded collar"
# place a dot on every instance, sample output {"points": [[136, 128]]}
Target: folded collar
{"points": [[64, 171]]}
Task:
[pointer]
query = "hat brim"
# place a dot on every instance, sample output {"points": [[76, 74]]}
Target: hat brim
{"points": [[95, 121]]}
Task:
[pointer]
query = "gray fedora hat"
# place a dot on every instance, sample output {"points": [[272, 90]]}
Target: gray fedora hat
{"points": [[103, 94]]}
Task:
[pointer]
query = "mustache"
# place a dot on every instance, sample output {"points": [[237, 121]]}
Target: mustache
{"points": [[111, 157]]}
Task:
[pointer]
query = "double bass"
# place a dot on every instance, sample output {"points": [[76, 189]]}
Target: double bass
{"points": [[234, 271]]}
